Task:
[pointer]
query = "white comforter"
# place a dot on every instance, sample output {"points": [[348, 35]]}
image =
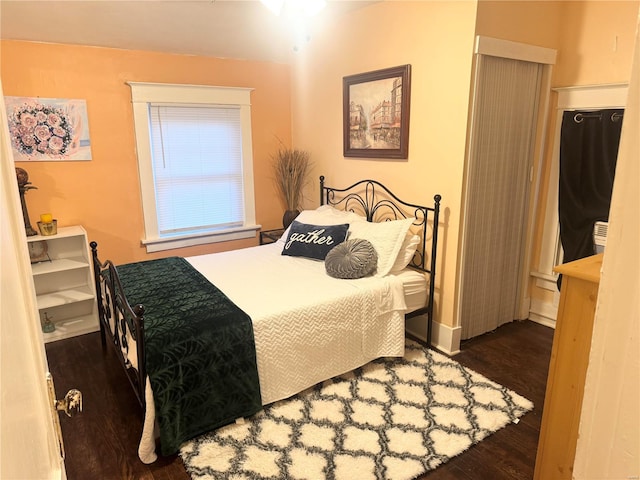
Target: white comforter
{"points": [[308, 327]]}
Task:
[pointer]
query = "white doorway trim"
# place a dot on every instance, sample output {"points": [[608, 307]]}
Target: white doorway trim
{"points": [[587, 97]]}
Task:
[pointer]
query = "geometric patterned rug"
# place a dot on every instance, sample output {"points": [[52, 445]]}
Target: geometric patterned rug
{"points": [[393, 419]]}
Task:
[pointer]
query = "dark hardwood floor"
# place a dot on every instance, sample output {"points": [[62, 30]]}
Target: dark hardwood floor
{"points": [[101, 443]]}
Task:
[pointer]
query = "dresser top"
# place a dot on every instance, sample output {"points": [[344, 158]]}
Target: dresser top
{"points": [[587, 268]]}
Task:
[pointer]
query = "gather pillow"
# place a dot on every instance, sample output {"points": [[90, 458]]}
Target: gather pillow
{"points": [[325, 215], [386, 237], [355, 258], [313, 241]]}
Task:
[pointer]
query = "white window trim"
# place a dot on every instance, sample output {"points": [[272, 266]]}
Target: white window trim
{"points": [[142, 94], [589, 97]]}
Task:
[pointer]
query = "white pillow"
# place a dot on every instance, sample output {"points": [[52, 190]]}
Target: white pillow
{"points": [[328, 211], [324, 215], [406, 253], [386, 237]]}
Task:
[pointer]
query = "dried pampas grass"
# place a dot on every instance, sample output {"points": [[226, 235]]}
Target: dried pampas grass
{"points": [[291, 168]]}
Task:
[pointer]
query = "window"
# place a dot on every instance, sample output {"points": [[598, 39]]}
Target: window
{"points": [[195, 164]]}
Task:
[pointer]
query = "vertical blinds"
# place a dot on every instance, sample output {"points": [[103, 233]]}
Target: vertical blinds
{"points": [[197, 168], [505, 105]]}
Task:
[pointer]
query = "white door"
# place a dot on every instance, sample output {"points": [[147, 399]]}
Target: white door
{"points": [[29, 447]]}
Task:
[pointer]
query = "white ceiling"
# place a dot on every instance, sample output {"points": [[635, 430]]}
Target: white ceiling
{"points": [[242, 29]]}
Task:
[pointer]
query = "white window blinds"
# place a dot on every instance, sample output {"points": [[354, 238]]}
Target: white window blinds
{"points": [[197, 167]]}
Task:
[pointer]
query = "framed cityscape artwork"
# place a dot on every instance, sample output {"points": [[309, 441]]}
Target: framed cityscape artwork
{"points": [[376, 113]]}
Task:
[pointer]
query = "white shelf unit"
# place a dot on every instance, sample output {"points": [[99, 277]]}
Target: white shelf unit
{"points": [[65, 288]]}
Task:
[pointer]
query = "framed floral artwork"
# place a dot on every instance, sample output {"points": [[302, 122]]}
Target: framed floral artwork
{"points": [[48, 129], [376, 113]]}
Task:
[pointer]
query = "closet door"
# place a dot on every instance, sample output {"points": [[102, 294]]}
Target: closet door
{"points": [[505, 114]]}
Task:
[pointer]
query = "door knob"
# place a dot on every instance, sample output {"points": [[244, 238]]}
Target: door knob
{"points": [[71, 403]]}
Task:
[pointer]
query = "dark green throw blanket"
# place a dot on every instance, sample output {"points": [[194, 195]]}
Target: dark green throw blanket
{"points": [[200, 349]]}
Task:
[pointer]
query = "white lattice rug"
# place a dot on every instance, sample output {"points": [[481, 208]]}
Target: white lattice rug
{"points": [[393, 419]]}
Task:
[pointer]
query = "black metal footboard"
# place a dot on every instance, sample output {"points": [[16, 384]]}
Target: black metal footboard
{"points": [[121, 325]]}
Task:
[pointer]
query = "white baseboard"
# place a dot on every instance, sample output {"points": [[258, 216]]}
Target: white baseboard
{"points": [[443, 337], [543, 313]]}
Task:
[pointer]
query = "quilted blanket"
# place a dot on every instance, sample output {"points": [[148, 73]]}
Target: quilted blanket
{"points": [[200, 350]]}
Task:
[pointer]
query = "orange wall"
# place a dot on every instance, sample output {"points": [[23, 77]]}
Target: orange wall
{"points": [[596, 42], [594, 39], [532, 22], [436, 38], [103, 194]]}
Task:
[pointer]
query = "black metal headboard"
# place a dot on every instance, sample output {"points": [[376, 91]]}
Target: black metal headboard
{"points": [[377, 203]]}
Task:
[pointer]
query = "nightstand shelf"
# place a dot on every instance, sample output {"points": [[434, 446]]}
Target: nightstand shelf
{"points": [[61, 265], [64, 297], [270, 236], [70, 328], [65, 290]]}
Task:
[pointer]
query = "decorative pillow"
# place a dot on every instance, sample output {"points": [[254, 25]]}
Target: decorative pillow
{"points": [[406, 253], [386, 238], [325, 215], [313, 241], [354, 258]]}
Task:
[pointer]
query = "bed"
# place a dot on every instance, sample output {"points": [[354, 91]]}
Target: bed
{"points": [[207, 340]]}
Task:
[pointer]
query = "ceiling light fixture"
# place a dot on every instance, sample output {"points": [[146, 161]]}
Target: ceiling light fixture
{"points": [[274, 5], [295, 8]]}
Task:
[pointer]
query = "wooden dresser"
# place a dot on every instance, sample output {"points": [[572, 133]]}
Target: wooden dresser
{"points": [[568, 368]]}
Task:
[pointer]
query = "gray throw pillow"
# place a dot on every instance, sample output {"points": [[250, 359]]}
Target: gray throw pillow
{"points": [[355, 258]]}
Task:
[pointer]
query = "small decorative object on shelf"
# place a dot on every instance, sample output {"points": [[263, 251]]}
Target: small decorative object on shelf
{"points": [[38, 251], [47, 225], [48, 326], [23, 186]]}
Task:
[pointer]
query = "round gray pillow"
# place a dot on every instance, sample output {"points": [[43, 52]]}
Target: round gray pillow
{"points": [[355, 258]]}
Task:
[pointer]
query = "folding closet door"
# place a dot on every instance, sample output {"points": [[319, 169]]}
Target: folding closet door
{"points": [[505, 115]]}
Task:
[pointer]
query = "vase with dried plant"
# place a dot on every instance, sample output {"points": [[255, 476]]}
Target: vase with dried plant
{"points": [[291, 168]]}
